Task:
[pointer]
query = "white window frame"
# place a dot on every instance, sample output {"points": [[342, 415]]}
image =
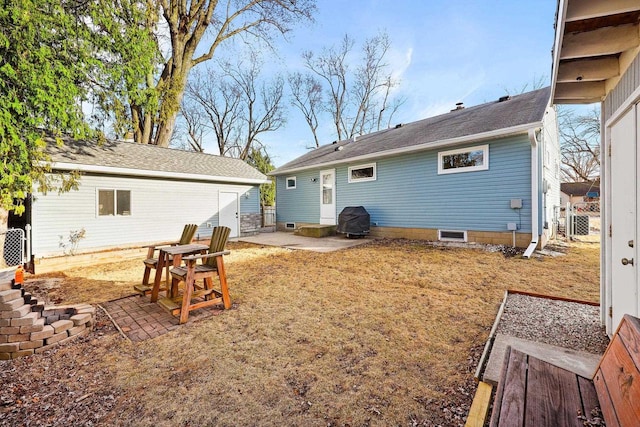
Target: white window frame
{"points": [[115, 202], [286, 182], [451, 239], [368, 165], [485, 158]]}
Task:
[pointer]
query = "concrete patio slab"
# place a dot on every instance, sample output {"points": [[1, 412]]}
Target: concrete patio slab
{"points": [[292, 241], [579, 362]]}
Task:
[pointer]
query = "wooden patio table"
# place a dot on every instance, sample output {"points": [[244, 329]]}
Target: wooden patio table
{"points": [[163, 260]]}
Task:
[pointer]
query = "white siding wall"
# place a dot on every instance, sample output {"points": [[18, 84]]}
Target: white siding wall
{"points": [[159, 210], [550, 166]]}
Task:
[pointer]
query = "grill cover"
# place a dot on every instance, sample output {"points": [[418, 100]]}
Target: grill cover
{"points": [[354, 220]]}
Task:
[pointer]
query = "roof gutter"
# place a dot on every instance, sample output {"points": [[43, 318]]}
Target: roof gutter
{"points": [[153, 173], [478, 137], [534, 194]]}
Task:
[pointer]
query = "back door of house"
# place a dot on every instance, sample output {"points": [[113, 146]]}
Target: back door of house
{"points": [[624, 289], [328, 197], [229, 212]]}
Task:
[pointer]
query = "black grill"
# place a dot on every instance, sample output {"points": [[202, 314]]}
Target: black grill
{"points": [[354, 221]]}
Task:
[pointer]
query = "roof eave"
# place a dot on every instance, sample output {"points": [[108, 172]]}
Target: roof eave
{"points": [[479, 137], [595, 43], [62, 166]]}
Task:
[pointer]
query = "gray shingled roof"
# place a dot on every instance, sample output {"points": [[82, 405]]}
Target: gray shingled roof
{"points": [[524, 109], [144, 159], [580, 188]]}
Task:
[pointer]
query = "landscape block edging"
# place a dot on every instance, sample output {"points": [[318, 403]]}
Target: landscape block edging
{"points": [[27, 327]]}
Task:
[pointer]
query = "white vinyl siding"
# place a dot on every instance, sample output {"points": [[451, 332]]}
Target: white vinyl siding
{"points": [[160, 209]]}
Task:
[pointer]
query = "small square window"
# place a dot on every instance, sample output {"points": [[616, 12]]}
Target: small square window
{"points": [[464, 160], [291, 183], [362, 173]]}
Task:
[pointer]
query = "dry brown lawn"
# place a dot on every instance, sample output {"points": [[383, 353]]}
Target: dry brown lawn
{"points": [[387, 333]]}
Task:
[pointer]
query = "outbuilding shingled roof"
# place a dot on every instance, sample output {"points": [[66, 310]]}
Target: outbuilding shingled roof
{"points": [[519, 110], [144, 159]]}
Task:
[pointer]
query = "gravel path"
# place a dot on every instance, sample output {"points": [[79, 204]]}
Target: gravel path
{"points": [[561, 323]]}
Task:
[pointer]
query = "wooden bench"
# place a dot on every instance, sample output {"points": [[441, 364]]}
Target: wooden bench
{"points": [[532, 392]]}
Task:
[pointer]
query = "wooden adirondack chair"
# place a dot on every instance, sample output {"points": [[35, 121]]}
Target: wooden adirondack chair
{"points": [[151, 262], [194, 296]]}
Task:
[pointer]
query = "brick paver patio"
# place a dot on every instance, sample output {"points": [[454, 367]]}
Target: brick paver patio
{"points": [[140, 319]]}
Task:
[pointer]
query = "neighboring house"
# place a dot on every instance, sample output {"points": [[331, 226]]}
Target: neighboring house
{"points": [[131, 194], [596, 60], [579, 192], [469, 175]]}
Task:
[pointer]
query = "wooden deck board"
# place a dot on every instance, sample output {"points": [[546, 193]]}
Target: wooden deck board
{"points": [[589, 397], [553, 397], [513, 397], [537, 393]]}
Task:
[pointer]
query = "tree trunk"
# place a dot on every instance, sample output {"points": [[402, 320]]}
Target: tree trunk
{"points": [[176, 81]]}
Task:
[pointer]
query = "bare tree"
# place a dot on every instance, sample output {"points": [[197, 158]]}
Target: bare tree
{"points": [[149, 99], [211, 95], [358, 92], [238, 105], [535, 84], [195, 127], [262, 102], [579, 144], [306, 94]]}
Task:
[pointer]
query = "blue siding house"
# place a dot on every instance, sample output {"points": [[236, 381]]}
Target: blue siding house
{"points": [[487, 174]]}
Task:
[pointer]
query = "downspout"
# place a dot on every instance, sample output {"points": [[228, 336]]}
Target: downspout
{"points": [[534, 194]]}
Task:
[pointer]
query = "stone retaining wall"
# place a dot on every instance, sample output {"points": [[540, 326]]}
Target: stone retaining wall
{"points": [[27, 327], [250, 224]]}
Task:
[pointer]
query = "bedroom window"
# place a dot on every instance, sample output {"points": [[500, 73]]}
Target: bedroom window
{"points": [[362, 173], [291, 183], [114, 202], [464, 160]]}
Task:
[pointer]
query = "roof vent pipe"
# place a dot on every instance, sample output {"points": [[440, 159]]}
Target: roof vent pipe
{"points": [[355, 137], [459, 106]]}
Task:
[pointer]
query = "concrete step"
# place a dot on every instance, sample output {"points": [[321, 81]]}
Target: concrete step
{"points": [[316, 230]]}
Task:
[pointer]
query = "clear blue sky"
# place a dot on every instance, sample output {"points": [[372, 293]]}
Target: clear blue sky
{"points": [[443, 51]]}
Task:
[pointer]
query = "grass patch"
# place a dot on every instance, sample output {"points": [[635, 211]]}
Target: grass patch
{"points": [[387, 333]]}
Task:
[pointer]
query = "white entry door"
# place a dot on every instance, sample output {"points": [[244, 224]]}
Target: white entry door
{"points": [[328, 197], [624, 288], [229, 213]]}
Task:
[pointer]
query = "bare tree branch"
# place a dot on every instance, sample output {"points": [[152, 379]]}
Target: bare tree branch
{"points": [[579, 144], [306, 94], [358, 93], [238, 105]]}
